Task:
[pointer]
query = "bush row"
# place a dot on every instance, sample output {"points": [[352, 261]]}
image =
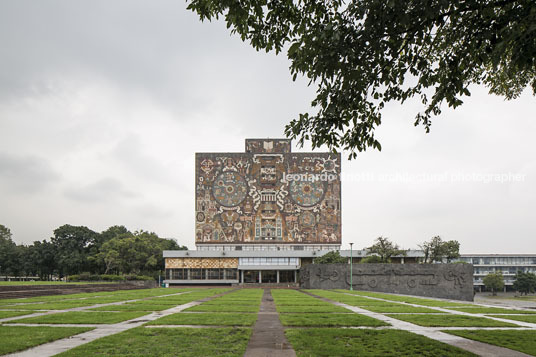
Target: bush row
{"points": [[107, 277]]}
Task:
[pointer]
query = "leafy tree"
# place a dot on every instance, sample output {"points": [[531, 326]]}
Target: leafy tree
{"points": [[385, 249], [494, 282], [135, 253], [525, 283], [72, 245], [364, 54], [436, 250], [42, 256], [333, 257], [372, 259], [5, 233], [98, 265], [451, 249], [8, 252]]}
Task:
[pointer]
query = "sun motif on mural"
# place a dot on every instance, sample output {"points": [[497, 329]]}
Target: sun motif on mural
{"points": [[330, 165], [229, 189], [307, 193]]}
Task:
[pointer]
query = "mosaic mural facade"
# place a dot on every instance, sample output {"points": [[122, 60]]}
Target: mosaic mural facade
{"points": [[194, 263], [268, 194]]}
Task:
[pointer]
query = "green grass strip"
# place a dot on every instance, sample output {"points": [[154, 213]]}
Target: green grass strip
{"points": [[324, 342], [6, 314], [165, 342], [408, 299], [48, 306], [18, 338], [217, 319], [224, 308], [491, 310], [333, 319], [448, 320], [300, 302], [131, 307], [231, 302], [352, 300], [527, 318], [82, 317], [399, 309], [522, 341], [311, 308]]}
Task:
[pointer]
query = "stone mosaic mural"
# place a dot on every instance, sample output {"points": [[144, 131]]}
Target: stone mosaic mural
{"points": [[268, 194], [177, 263]]}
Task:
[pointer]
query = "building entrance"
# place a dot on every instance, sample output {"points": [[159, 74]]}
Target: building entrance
{"points": [[269, 276], [251, 276]]}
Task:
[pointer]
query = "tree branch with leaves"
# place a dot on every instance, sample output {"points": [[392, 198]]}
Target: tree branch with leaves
{"points": [[362, 55]]}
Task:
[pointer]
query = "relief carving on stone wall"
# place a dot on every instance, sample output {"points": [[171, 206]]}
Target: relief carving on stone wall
{"points": [[391, 276]]}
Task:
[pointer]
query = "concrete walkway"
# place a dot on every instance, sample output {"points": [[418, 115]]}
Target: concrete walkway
{"points": [[479, 348], [268, 337], [65, 344], [504, 300]]}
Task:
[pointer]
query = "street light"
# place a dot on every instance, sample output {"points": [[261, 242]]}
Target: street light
{"points": [[351, 268]]}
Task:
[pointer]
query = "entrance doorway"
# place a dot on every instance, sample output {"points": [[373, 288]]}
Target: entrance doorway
{"points": [[286, 276], [251, 276], [269, 276]]}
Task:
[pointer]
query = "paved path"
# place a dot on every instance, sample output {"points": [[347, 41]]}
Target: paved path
{"points": [[479, 348], [504, 300], [268, 337], [65, 344]]}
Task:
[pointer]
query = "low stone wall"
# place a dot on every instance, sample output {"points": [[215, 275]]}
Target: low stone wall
{"points": [[448, 281]]}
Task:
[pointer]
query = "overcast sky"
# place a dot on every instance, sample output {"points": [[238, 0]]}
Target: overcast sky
{"points": [[104, 103]]}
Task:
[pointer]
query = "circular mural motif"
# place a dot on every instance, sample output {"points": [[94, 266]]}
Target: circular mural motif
{"points": [[229, 189], [200, 216], [307, 193], [307, 219], [330, 165]]}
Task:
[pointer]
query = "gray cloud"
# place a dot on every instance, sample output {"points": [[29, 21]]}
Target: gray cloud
{"points": [[103, 191], [26, 174]]}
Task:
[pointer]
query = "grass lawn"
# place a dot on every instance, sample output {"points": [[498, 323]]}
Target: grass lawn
{"points": [[311, 308], [348, 342], [522, 341], [527, 318], [6, 314], [48, 306], [353, 300], [410, 299], [17, 338], [334, 319], [137, 307], [185, 342], [86, 299], [224, 308], [448, 320], [286, 293], [218, 319], [300, 302], [82, 317], [217, 301], [399, 309], [491, 310]]}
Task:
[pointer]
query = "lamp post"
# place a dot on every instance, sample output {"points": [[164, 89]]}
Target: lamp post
{"points": [[351, 268]]}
